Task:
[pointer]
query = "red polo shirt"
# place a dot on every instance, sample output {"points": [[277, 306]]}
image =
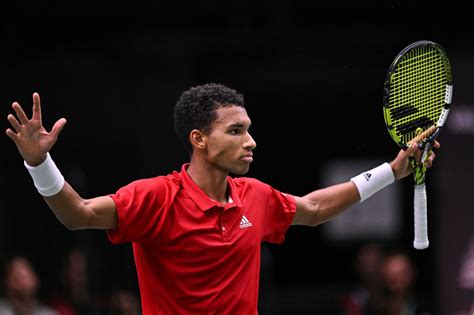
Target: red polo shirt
{"points": [[192, 254]]}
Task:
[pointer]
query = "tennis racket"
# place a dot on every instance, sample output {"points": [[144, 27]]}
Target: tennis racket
{"points": [[417, 93]]}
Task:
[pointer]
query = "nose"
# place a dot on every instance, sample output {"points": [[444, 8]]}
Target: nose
{"points": [[250, 142]]}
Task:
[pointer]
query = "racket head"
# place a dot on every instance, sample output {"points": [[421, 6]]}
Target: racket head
{"points": [[416, 91]]}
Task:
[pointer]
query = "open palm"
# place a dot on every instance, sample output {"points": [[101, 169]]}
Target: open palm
{"points": [[31, 138]]}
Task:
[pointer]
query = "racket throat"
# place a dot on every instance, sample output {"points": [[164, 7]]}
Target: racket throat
{"points": [[419, 171]]}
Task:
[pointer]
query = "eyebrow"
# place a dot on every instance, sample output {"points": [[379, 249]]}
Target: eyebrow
{"points": [[239, 125]]}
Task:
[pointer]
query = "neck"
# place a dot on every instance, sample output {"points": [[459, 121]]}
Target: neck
{"points": [[210, 179]]}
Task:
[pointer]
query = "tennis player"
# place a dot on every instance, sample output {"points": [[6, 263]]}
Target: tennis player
{"points": [[196, 232]]}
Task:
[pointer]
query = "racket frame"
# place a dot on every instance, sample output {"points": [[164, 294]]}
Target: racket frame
{"points": [[424, 139]]}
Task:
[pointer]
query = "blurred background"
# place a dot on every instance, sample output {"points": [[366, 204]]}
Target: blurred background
{"points": [[312, 76]]}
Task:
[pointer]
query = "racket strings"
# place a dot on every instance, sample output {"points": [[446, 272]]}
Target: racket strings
{"points": [[418, 88], [414, 67], [415, 84], [409, 129], [402, 111]]}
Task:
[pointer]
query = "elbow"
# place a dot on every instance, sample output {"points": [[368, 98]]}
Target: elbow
{"points": [[72, 225], [79, 219], [315, 220], [308, 213], [318, 215]]}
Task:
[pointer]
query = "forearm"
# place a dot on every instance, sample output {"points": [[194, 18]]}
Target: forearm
{"points": [[34, 143], [69, 208], [324, 204]]}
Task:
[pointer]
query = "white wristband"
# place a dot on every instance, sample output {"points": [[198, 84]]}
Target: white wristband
{"points": [[369, 182], [47, 178]]}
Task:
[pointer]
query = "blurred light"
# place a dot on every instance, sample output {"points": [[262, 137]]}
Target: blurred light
{"points": [[461, 119]]}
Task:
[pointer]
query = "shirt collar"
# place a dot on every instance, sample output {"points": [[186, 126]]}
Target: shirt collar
{"points": [[202, 200]]}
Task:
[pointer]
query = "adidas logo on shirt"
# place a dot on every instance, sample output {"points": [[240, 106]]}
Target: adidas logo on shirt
{"points": [[245, 223]]}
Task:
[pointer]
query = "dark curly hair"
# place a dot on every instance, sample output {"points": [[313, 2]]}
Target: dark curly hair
{"points": [[195, 109]]}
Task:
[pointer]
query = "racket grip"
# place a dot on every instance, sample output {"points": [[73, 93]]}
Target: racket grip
{"points": [[421, 218]]}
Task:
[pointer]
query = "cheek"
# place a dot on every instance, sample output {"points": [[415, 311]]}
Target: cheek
{"points": [[221, 148]]}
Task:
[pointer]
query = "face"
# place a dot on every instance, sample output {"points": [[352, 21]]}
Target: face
{"points": [[229, 144], [368, 262], [21, 279], [398, 274]]}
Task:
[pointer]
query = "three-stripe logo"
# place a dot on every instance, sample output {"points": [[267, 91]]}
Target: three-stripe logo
{"points": [[245, 223]]}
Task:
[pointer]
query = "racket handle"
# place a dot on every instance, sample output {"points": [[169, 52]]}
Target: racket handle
{"points": [[421, 218]]}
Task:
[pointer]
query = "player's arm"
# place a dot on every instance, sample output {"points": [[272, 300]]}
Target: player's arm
{"points": [[324, 204], [34, 142], [77, 213]]}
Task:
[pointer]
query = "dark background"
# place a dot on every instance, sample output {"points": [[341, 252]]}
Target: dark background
{"points": [[312, 75]]}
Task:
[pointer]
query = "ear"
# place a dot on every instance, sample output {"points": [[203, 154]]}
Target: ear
{"points": [[197, 139]]}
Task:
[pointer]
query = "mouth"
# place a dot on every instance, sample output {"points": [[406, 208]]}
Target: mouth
{"points": [[247, 158]]}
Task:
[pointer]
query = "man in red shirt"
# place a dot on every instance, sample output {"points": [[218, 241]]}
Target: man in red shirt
{"points": [[196, 233]]}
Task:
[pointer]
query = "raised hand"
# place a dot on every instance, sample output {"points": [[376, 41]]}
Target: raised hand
{"points": [[31, 138], [401, 165]]}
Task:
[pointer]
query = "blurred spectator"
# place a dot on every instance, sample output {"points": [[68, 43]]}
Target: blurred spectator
{"points": [[73, 296], [399, 295], [124, 302], [21, 284], [367, 264]]}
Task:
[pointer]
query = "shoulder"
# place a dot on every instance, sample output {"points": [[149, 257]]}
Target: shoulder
{"points": [[153, 183], [154, 189]]}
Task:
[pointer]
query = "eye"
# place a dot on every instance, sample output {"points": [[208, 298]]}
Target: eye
{"points": [[235, 131]]}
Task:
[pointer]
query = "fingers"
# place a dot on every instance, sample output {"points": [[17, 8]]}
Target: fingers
{"points": [[20, 113], [430, 159], [431, 155], [36, 107], [12, 135], [412, 149], [15, 124], [58, 126]]}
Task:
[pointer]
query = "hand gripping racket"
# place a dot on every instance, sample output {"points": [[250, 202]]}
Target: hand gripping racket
{"points": [[417, 94]]}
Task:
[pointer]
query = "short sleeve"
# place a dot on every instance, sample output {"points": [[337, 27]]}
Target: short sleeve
{"points": [[280, 210], [141, 208]]}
